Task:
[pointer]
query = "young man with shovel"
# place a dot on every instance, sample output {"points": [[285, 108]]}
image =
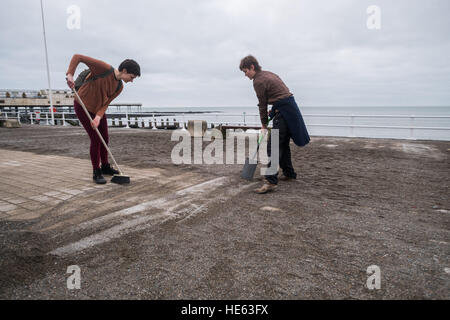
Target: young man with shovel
{"points": [[98, 87], [270, 89]]}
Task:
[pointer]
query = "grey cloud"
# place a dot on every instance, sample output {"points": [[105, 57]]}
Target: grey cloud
{"points": [[189, 51]]}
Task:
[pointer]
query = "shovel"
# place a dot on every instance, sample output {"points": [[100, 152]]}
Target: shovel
{"points": [[249, 168]]}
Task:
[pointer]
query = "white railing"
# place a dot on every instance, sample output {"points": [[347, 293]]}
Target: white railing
{"points": [[352, 124], [242, 119], [216, 119], [44, 118]]}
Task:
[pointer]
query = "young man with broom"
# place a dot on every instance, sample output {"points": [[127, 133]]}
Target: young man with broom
{"points": [[270, 89], [99, 86]]}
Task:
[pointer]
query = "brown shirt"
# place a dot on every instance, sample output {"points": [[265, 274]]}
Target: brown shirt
{"points": [[269, 89], [97, 94]]}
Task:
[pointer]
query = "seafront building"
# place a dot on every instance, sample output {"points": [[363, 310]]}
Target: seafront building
{"points": [[33, 100], [39, 100]]}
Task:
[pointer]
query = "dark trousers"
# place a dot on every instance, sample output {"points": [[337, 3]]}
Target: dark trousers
{"points": [[285, 161], [97, 150]]}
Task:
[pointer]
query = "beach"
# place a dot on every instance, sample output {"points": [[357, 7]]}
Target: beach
{"points": [[199, 231]]}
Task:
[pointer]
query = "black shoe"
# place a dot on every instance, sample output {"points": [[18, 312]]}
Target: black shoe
{"points": [[107, 169], [98, 178]]}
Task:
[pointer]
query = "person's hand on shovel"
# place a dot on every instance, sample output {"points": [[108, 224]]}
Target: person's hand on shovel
{"points": [[263, 130]]}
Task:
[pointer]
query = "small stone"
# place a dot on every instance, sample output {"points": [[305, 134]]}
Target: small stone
{"points": [[435, 206], [447, 270]]}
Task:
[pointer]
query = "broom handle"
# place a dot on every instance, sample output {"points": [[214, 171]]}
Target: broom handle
{"points": [[98, 132]]}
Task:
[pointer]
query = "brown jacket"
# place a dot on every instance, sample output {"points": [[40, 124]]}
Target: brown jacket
{"points": [[97, 94], [269, 89]]}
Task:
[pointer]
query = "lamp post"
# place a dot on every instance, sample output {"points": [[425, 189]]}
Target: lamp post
{"points": [[48, 69]]}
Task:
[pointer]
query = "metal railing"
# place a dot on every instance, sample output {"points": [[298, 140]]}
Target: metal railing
{"points": [[352, 124], [242, 119], [44, 118]]}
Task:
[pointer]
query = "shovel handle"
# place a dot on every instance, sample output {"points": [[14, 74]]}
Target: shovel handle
{"points": [[260, 139]]}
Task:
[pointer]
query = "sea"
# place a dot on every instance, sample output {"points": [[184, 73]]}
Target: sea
{"points": [[415, 122]]}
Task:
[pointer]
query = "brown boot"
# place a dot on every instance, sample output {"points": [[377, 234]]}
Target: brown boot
{"points": [[266, 187], [285, 178]]}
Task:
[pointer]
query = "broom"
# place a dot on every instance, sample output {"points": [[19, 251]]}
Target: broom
{"points": [[117, 178]]}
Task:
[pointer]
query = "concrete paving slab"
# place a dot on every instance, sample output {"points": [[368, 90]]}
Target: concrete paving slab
{"points": [[63, 196], [70, 198], [81, 214], [32, 205], [16, 212], [15, 200]]}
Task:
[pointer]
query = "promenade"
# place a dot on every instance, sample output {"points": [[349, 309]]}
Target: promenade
{"points": [[199, 232]]}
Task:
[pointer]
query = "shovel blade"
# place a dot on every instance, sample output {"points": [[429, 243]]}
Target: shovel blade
{"points": [[249, 170]]}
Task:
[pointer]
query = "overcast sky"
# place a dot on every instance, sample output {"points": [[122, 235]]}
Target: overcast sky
{"points": [[189, 50]]}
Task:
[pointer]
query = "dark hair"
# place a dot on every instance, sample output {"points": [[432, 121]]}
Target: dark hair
{"points": [[131, 66], [248, 61]]}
